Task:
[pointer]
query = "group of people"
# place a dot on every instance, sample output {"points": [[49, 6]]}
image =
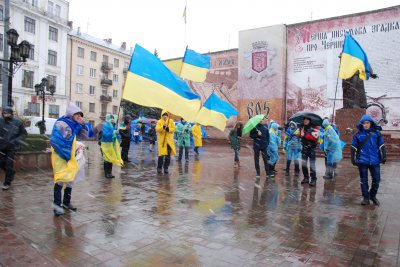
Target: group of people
{"points": [[368, 150]]}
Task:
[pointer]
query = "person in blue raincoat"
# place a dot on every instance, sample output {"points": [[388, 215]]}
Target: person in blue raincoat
{"points": [[332, 148], [292, 147], [368, 151], [136, 133], [273, 145], [110, 140]]}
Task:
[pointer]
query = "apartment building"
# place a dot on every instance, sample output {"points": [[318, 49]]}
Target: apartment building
{"points": [[96, 71], [44, 24]]}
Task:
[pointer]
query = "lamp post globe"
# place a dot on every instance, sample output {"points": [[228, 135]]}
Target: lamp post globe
{"points": [[12, 37]]}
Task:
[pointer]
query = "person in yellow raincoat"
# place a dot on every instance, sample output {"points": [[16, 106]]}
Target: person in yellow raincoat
{"points": [[166, 147], [66, 131], [110, 146], [198, 140]]}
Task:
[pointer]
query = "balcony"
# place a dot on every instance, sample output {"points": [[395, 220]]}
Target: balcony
{"points": [[106, 82], [106, 67], [105, 98], [103, 115], [125, 71]]}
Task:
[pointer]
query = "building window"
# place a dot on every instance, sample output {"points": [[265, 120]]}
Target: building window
{"points": [[115, 93], [1, 42], [115, 109], [92, 90], [92, 73], [79, 88], [81, 52], [52, 80], [53, 34], [91, 107], [115, 78], [79, 70], [29, 25], [116, 62], [104, 91], [57, 12], [126, 65], [27, 80], [32, 52], [1, 13], [54, 111], [79, 104], [93, 56], [1, 72], [33, 109], [105, 58], [52, 58], [50, 7]]}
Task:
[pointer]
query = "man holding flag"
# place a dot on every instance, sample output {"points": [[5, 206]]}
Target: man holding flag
{"points": [[166, 147]]}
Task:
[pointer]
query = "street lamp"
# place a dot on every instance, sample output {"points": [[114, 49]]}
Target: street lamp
{"points": [[40, 90], [19, 54]]}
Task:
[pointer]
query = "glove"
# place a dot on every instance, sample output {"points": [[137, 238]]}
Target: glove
{"points": [[353, 156], [167, 129], [374, 76], [164, 127], [383, 152]]}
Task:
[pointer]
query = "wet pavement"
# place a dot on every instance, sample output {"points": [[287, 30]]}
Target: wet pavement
{"points": [[203, 213]]}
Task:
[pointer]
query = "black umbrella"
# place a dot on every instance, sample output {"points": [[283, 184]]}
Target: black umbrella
{"points": [[315, 119]]}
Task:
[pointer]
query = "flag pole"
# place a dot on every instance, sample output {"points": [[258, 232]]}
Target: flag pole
{"points": [[337, 82]]}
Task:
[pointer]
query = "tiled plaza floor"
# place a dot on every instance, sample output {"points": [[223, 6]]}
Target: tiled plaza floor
{"points": [[203, 213]]}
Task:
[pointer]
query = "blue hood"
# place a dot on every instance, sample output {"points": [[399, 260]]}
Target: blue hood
{"points": [[368, 118], [325, 123]]}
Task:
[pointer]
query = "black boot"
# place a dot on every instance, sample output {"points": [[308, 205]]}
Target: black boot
{"points": [[58, 210], [313, 182], [305, 180], [67, 199]]}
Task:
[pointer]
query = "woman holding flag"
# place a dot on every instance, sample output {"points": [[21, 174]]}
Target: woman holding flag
{"points": [[166, 147], [110, 146], [63, 140], [183, 130]]}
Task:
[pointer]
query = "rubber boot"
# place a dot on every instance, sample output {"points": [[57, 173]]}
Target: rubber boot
{"points": [[58, 210], [67, 199]]}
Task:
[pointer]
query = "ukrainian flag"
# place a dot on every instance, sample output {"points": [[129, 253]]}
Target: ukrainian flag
{"points": [[150, 83], [353, 59], [195, 66], [215, 112]]}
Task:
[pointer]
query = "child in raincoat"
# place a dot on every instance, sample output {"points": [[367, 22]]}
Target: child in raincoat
{"points": [[166, 147], [183, 130], [332, 148], [197, 136], [368, 151], [273, 145], [235, 138], [63, 140], [292, 147], [110, 146], [152, 136]]}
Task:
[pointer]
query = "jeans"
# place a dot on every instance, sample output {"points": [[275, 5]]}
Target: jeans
{"points": [[375, 171], [7, 164], [236, 154], [330, 167], [181, 148], [296, 166], [163, 161], [264, 156], [308, 152]]}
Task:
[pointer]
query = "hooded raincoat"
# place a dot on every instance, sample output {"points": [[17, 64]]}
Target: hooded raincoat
{"points": [[197, 135], [292, 143], [165, 138], [183, 131], [110, 143], [274, 140], [332, 144]]}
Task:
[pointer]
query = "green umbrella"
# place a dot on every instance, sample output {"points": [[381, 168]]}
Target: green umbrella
{"points": [[252, 123]]}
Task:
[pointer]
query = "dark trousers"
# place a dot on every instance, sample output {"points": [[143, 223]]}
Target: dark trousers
{"points": [[7, 164], [264, 156], [330, 167], [125, 145], [296, 166], [186, 148], [196, 149], [236, 155], [57, 195], [308, 153], [107, 167], [375, 171], [163, 161]]}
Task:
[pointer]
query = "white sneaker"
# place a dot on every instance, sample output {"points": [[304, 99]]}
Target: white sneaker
{"points": [[5, 186]]}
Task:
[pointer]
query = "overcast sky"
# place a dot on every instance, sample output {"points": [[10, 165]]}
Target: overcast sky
{"points": [[212, 25]]}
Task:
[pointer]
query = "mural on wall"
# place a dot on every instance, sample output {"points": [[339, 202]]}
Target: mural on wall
{"points": [[313, 51], [262, 72]]}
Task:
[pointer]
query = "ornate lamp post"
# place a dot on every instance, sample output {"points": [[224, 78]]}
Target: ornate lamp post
{"points": [[19, 54], [40, 90]]}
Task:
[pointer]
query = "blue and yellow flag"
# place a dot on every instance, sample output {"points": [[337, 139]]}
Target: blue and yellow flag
{"points": [[150, 83], [195, 66], [215, 112], [353, 59]]}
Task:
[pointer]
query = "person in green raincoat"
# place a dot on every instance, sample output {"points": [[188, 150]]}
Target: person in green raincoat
{"points": [[183, 130], [110, 146]]}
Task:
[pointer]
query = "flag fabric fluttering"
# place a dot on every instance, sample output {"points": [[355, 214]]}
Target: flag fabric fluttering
{"points": [[215, 112], [150, 83], [195, 66], [353, 59], [184, 15]]}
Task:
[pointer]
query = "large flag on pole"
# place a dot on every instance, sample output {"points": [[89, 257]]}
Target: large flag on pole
{"points": [[150, 83], [353, 59], [195, 66], [215, 112]]}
